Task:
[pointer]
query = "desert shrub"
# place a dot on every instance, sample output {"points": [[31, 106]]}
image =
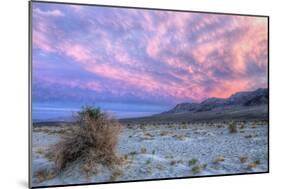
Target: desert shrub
{"points": [[133, 153], [196, 169], [254, 164], [116, 174], [179, 137], [232, 127], [218, 159], [93, 141], [42, 175], [143, 150], [192, 162], [257, 162], [147, 161], [243, 159]]}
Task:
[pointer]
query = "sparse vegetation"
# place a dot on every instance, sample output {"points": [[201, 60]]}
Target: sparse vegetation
{"points": [[160, 167], [248, 136], [144, 158], [40, 151], [232, 127], [218, 159], [133, 153], [174, 162], [93, 141], [116, 174], [143, 150], [254, 164], [125, 157], [148, 134], [148, 162], [204, 166], [192, 162], [196, 169], [42, 175], [164, 133], [180, 137], [243, 159], [257, 162]]}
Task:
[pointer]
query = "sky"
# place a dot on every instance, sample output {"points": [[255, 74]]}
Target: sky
{"points": [[136, 62]]}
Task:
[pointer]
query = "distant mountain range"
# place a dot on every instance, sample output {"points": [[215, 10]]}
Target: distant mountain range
{"points": [[247, 105], [249, 98]]}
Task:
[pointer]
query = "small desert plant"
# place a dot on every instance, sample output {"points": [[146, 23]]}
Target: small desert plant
{"points": [[160, 167], [93, 141], [148, 162], [254, 164], [148, 134], [192, 162], [243, 159], [40, 151], [173, 162], [116, 174], [218, 159], [204, 166], [257, 162], [179, 137], [232, 127], [42, 175], [125, 157], [164, 133], [196, 169], [133, 153], [248, 136], [143, 150]]}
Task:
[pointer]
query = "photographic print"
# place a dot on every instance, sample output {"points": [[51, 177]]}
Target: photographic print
{"points": [[123, 94]]}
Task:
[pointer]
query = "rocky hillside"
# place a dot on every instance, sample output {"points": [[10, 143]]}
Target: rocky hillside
{"points": [[249, 98]]}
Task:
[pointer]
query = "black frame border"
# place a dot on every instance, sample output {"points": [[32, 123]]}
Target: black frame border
{"points": [[140, 8]]}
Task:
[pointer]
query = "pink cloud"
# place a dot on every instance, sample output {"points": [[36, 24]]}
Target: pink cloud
{"points": [[76, 51], [48, 13], [177, 43]]}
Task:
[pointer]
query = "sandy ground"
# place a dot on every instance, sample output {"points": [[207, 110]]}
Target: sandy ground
{"points": [[152, 152]]}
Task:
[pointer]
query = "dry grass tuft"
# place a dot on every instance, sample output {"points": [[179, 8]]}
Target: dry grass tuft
{"points": [[40, 151], [164, 133], [42, 175], [243, 159], [93, 142], [179, 137], [196, 169], [218, 159], [192, 162], [232, 127], [143, 150], [116, 174], [174, 162]]}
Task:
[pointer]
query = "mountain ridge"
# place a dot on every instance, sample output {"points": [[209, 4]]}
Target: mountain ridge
{"points": [[243, 98]]}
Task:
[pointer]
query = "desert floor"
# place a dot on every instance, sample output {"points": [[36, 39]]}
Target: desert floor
{"points": [[162, 151]]}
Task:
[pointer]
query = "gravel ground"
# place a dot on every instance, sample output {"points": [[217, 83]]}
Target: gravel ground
{"points": [[162, 151]]}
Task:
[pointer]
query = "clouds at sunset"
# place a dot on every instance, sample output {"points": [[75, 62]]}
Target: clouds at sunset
{"points": [[113, 54]]}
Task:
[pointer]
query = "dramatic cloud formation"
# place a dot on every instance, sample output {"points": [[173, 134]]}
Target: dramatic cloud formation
{"points": [[93, 54]]}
